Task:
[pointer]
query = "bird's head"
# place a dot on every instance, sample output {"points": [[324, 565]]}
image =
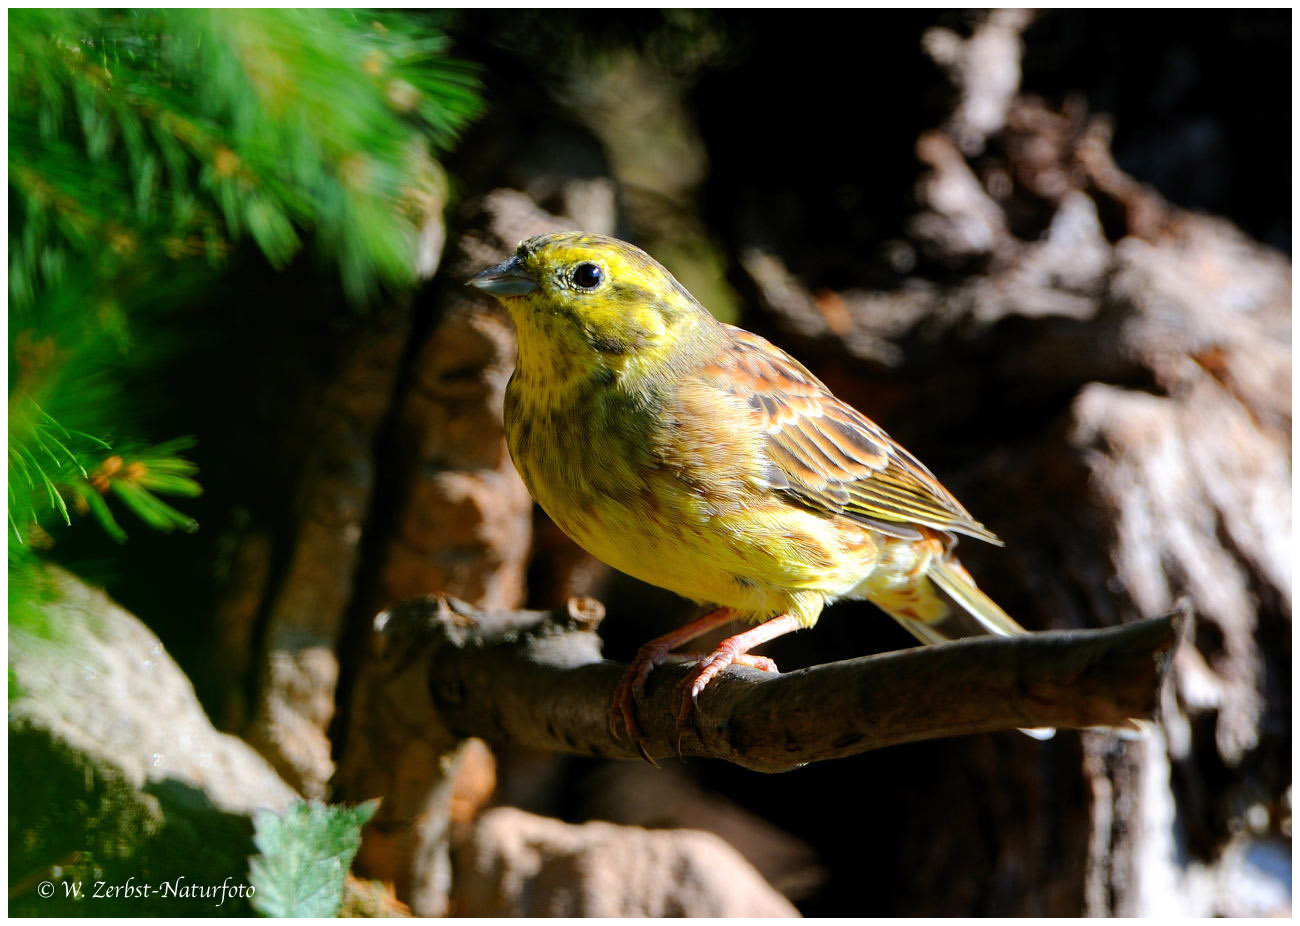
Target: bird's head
{"points": [[594, 301]]}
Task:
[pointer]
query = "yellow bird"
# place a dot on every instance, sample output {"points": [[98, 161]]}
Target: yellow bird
{"points": [[701, 458]]}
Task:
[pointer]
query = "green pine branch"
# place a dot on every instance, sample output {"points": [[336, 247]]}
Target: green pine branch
{"points": [[145, 146], [180, 132]]}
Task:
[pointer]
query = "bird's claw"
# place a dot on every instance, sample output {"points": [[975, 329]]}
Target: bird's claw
{"points": [[632, 687], [695, 683], [630, 690], [709, 668]]}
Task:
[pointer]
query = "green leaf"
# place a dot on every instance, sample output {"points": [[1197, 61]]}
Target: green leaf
{"points": [[305, 856]]}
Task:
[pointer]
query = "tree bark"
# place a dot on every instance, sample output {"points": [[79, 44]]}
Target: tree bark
{"points": [[535, 679]]}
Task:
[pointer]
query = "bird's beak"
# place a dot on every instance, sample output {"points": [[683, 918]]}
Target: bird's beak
{"points": [[507, 278]]}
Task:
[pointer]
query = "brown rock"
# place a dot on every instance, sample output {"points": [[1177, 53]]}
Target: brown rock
{"points": [[371, 900], [635, 794], [462, 517], [460, 523], [309, 609], [517, 864], [109, 690]]}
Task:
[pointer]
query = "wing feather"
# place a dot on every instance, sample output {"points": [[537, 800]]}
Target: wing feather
{"points": [[830, 457]]}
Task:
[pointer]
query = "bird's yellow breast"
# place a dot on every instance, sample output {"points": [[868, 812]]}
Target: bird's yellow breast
{"points": [[668, 486]]}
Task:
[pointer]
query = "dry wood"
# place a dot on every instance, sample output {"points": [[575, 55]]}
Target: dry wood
{"points": [[536, 679]]}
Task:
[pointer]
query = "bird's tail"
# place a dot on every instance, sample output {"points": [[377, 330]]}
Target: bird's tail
{"points": [[932, 618], [928, 613]]}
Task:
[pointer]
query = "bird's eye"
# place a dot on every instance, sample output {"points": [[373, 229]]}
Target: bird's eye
{"points": [[587, 276]]}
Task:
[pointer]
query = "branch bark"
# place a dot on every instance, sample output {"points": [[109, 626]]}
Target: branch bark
{"points": [[537, 679]]}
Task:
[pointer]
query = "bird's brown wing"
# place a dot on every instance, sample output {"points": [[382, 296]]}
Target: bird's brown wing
{"points": [[829, 456]]}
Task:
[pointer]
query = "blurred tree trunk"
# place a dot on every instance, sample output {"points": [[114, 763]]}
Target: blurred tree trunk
{"points": [[1122, 382]]}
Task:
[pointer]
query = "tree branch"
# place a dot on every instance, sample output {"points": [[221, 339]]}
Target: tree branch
{"points": [[537, 679]]}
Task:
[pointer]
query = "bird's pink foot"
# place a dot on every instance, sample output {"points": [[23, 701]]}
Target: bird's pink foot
{"points": [[761, 663], [709, 668], [706, 671], [732, 651], [655, 653], [632, 686], [749, 660]]}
